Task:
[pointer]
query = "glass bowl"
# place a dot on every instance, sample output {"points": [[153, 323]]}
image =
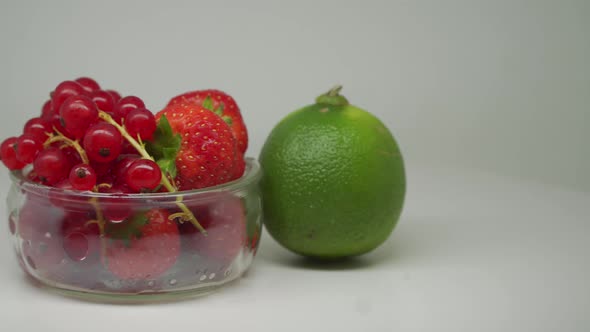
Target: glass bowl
{"points": [[135, 247]]}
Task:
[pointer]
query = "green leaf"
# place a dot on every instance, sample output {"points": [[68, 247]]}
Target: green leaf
{"points": [[208, 103], [164, 138], [164, 147], [169, 153], [127, 230], [227, 120], [168, 166], [164, 125], [219, 110]]}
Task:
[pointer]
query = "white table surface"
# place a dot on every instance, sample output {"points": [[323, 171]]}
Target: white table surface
{"points": [[472, 252]]}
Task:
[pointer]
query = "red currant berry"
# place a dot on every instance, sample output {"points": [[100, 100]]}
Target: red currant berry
{"points": [[76, 244], [128, 148], [61, 196], [64, 184], [72, 155], [47, 111], [82, 177], [115, 94], [51, 165], [57, 197], [81, 241], [51, 116], [38, 128], [102, 142], [104, 171], [140, 122], [122, 165], [125, 105], [103, 100], [8, 154], [27, 148], [31, 176], [78, 113], [88, 84], [113, 208], [143, 175], [56, 123], [63, 91]]}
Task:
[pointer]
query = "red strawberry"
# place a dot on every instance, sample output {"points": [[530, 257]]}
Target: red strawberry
{"points": [[239, 167], [225, 222], [207, 151], [224, 105], [142, 247]]}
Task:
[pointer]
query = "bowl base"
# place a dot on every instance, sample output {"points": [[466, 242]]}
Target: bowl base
{"points": [[137, 298]]}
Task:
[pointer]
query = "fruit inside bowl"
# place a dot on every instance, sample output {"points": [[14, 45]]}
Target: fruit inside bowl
{"points": [[111, 201]]}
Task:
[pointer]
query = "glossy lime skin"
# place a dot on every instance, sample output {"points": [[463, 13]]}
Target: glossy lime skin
{"points": [[333, 181]]}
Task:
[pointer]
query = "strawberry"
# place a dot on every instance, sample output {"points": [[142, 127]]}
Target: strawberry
{"points": [[223, 105], [225, 222], [207, 150], [144, 246]]}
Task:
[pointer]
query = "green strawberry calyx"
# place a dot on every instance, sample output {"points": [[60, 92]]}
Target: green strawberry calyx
{"points": [[164, 147], [208, 104], [128, 230]]}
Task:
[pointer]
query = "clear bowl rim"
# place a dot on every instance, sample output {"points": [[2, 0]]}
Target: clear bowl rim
{"points": [[252, 174]]}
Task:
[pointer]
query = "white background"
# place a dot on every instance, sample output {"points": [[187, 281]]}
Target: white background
{"points": [[489, 101]]}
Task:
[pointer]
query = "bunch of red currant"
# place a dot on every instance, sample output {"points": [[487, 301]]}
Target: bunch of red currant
{"points": [[87, 139]]}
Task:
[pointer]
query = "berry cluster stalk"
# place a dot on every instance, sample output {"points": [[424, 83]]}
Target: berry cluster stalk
{"points": [[68, 142], [84, 157]]}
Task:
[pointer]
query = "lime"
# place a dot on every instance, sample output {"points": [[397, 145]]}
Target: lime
{"points": [[333, 180]]}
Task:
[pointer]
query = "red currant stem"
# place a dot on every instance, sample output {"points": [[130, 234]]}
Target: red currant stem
{"points": [[165, 182], [190, 215], [102, 185], [100, 222], [62, 138], [93, 201], [138, 146], [90, 222]]}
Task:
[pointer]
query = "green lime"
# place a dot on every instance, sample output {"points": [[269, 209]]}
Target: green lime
{"points": [[333, 180]]}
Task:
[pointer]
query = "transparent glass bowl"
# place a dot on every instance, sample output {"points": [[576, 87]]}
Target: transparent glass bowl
{"points": [[75, 242]]}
